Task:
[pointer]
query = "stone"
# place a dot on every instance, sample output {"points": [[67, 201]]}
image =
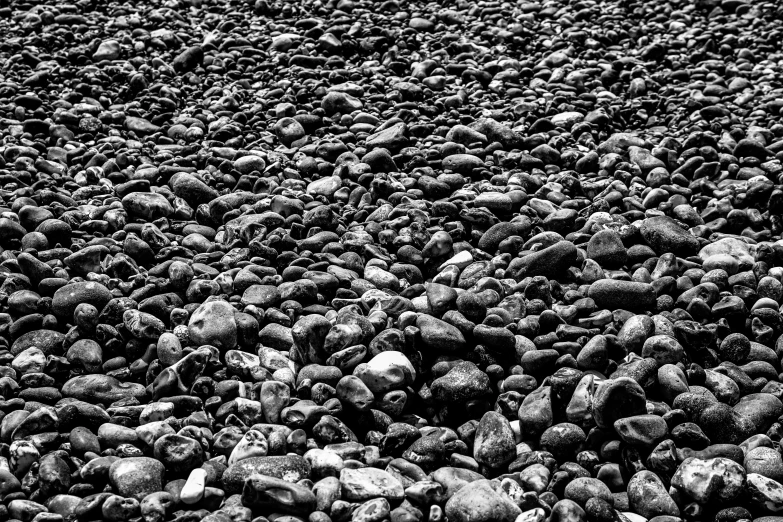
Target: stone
{"points": [[765, 493], [367, 483], [386, 371], [291, 468], [617, 399], [550, 262], [252, 444], [648, 496], [581, 489], [724, 425], [147, 205], [607, 249], [101, 388], [735, 348], [563, 440], [761, 410], [272, 494], [463, 382], [68, 297], [494, 444], [213, 323], [479, 502], [188, 59], [439, 334], [764, 461], [627, 295], [710, 480], [137, 477], [664, 235], [179, 454], [644, 431], [48, 342]]}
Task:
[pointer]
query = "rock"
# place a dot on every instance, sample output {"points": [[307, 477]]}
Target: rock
{"points": [[765, 493], [386, 371], [324, 187], [535, 414], [664, 349], [269, 245], [644, 431], [213, 323], [291, 468], [567, 509], [648, 496], [549, 262], [478, 502], [763, 461], [368, 483], [107, 50], [137, 477], [192, 189], [563, 440], [49, 342], [735, 348], [627, 295], [391, 138], [54, 477], [439, 334], [463, 382], [724, 425], [732, 247], [274, 494], [494, 444], [617, 399], [188, 59], [340, 102], [462, 163], [101, 388], [146, 205], [142, 325], [68, 297], [607, 249], [760, 410], [711, 480], [178, 453], [581, 489], [664, 235]]}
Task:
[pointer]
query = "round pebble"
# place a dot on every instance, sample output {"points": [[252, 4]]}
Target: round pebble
{"points": [[365, 261]]}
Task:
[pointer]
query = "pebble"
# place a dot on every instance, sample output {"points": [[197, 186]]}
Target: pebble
{"points": [[277, 495], [764, 461], [137, 477], [765, 492], [617, 399], [368, 483], [69, 296], [478, 501], [353, 261], [664, 235], [710, 480], [213, 323], [494, 443], [291, 468], [648, 496]]}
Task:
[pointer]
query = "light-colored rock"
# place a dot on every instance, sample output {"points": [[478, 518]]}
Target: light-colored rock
{"points": [[709, 480], [368, 483], [479, 502]]}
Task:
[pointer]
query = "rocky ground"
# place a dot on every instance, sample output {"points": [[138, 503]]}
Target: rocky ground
{"points": [[359, 261]]}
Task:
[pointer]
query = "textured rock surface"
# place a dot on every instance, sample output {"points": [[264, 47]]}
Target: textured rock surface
{"points": [[357, 261]]}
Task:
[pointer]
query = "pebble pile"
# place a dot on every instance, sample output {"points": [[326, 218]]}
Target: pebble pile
{"points": [[391, 261]]}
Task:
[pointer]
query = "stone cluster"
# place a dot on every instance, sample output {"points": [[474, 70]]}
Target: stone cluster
{"points": [[383, 261]]}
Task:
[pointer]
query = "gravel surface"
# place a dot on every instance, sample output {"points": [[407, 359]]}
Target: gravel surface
{"points": [[370, 261]]}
